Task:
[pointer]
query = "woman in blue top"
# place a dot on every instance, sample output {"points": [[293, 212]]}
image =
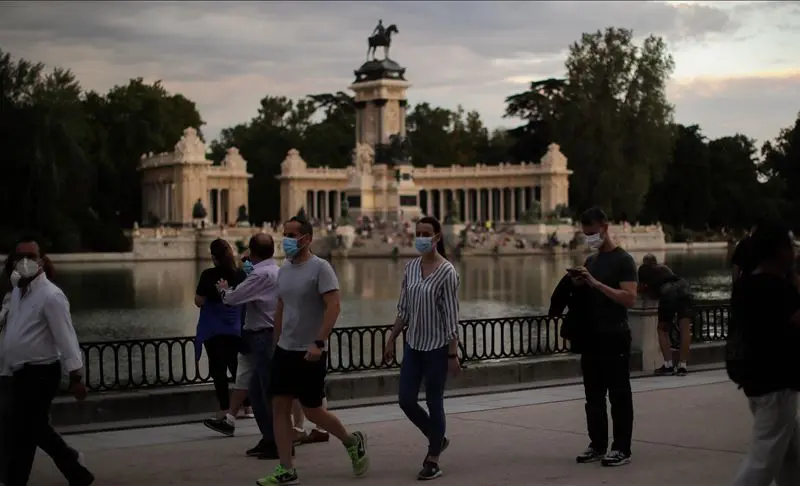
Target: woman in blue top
{"points": [[219, 325], [428, 311]]}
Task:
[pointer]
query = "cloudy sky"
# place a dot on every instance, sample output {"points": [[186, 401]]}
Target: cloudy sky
{"points": [[737, 63]]}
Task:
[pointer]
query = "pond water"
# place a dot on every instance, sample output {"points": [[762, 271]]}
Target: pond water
{"points": [[155, 299]]}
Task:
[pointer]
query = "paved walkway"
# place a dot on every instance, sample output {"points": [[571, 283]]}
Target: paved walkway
{"points": [[690, 431]]}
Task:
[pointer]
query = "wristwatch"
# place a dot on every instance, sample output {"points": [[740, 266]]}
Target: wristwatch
{"points": [[320, 345]]}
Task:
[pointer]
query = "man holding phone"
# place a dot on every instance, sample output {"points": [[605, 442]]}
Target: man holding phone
{"points": [[610, 274]]}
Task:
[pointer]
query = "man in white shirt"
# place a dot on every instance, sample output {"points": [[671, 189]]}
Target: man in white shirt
{"points": [[39, 340]]}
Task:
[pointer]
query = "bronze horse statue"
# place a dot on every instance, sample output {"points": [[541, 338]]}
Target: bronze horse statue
{"points": [[381, 40]]}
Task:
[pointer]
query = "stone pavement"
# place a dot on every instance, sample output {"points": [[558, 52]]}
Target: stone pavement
{"points": [[690, 431]]}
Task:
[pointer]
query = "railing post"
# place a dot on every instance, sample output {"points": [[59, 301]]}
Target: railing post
{"points": [[643, 321]]}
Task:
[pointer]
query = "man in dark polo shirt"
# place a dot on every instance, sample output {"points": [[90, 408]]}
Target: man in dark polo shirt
{"points": [[611, 275], [674, 303]]}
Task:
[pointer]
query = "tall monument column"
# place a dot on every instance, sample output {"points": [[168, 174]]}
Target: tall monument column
{"points": [[385, 190]]}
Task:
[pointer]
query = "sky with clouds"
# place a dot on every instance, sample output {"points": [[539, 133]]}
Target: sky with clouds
{"points": [[737, 63]]}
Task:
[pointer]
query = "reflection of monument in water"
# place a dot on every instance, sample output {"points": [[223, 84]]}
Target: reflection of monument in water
{"points": [[381, 182]]}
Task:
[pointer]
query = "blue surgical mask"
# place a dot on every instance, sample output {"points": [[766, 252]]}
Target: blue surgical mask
{"points": [[290, 246], [247, 266], [423, 244]]}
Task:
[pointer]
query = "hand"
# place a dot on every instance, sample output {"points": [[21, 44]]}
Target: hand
{"points": [[388, 351], [587, 277], [78, 390], [453, 366], [222, 284], [313, 353]]}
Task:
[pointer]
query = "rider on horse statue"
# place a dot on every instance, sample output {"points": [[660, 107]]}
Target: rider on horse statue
{"points": [[380, 29]]}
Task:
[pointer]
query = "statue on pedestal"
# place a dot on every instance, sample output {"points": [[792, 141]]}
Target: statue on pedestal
{"points": [[381, 37]]}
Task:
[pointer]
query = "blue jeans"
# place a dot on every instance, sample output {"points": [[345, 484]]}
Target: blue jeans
{"points": [[260, 348], [432, 367]]}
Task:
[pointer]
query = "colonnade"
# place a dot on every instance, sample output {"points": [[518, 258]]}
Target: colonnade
{"points": [[505, 204], [159, 201], [324, 205]]}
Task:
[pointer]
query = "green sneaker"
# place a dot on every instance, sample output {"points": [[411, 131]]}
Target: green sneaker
{"points": [[280, 475], [358, 453]]}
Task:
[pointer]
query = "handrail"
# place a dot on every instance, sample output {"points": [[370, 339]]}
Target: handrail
{"points": [[165, 362]]}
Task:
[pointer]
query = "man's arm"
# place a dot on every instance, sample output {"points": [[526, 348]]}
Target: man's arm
{"points": [[56, 313], [332, 302], [250, 290], [328, 287]]}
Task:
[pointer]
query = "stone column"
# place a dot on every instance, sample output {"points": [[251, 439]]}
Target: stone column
{"points": [[513, 202], [429, 203], [338, 206], [442, 205], [478, 205], [490, 205], [643, 321], [502, 204], [165, 199]]}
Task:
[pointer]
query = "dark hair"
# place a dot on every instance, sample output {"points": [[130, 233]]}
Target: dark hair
{"points": [[222, 253], [262, 246], [769, 240], [437, 228], [594, 215], [305, 226], [650, 259]]}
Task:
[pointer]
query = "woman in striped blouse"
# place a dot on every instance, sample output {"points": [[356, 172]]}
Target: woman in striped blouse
{"points": [[428, 310]]}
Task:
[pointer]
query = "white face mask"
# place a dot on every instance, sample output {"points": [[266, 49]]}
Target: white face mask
{"points": [[27, 268], [594, 241], [14, 278]]}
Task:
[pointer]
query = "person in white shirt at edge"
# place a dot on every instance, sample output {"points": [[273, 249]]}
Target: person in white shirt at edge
{"points": [[9, 279], [428, 310], [308, 306], [39, 340]]}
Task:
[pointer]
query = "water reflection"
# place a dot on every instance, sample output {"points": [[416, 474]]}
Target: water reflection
{"points": [[155, 299]]}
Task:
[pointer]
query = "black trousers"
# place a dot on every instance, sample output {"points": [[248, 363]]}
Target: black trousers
{"points": [[223, 355], [607, 372], [33, 389]]}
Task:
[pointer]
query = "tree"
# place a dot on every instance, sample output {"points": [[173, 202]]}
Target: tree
{"points": [[70, 157], [610, 116], [781, 168]]}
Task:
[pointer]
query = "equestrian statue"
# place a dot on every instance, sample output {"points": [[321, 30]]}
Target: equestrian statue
{"points": [[381, 37]]}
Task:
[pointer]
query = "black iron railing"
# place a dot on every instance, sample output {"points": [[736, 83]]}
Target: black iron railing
{"points": [[165, 362], [711, 323]]}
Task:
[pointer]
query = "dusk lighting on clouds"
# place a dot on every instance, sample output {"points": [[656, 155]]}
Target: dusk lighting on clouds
{"points": [[737, 63]]}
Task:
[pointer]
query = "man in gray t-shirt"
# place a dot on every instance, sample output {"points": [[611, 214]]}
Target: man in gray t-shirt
{"points": [[302, 287], [308, 306]]}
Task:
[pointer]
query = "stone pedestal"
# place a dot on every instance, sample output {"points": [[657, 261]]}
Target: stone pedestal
{"points": [[360, 193], [643, 321], [452, 235], [347, 236]]}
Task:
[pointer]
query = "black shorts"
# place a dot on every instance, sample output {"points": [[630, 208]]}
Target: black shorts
{"points": [[293, 376], [676, 301]]}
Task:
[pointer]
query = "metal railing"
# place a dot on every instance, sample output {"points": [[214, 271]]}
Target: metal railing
{"points": [[166, 362], [711, 322]]}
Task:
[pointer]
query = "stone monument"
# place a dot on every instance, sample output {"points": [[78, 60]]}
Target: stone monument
{"points": [[381, 170]]}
